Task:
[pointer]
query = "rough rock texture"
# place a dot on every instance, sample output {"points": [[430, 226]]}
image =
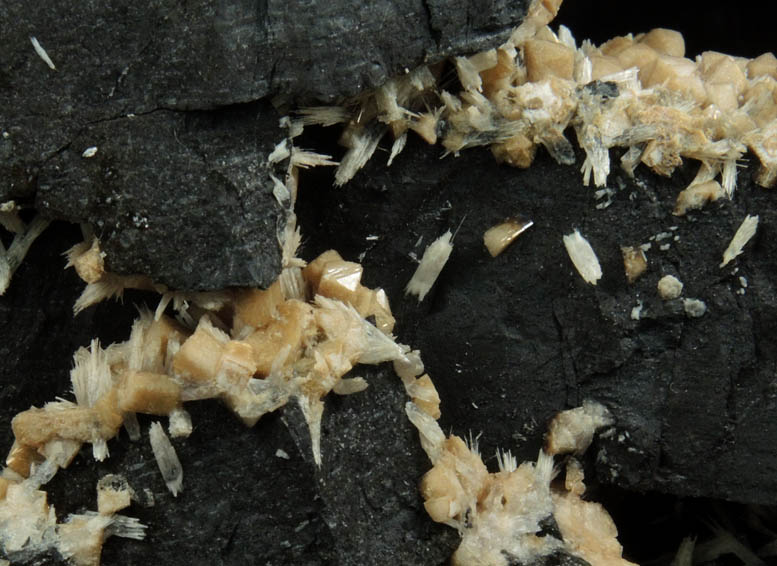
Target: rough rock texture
{"points": [[511, 340], [183, 196], [158, 60]]}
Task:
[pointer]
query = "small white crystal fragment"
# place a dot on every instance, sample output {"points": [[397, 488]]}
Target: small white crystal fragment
{"points": [[743, 234], [432, 436], [166, 458], [350, 385], [42, 52], [434, 259], [89, 152], [583, 257]]}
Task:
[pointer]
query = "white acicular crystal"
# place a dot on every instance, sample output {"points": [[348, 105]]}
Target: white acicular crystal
{"points": [[166, 458], [432, 436], [396, 148], [91, 375], [323, 115], [305, 159], [434, 259], [583, 257], [126, 527], [42, 52], [743, 235], [11, 259], [363, 145]]}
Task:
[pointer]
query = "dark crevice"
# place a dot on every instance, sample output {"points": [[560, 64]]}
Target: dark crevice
{"points": [[434, 33]]}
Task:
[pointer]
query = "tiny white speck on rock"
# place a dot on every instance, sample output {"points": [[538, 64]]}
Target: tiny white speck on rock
{"points": [[282, 454], [89, 152], [636, 312]]}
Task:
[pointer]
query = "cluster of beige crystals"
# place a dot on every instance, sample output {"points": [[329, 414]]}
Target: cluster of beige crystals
{"points": [[635, 92], [299, 339], [256, 350]]}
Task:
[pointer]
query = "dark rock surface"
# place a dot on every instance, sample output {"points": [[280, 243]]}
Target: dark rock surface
{"points": [[181, 193], [127, 74], [183, 196], [511, 340]]}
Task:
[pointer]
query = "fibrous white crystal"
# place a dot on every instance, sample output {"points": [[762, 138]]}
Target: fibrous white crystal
{"points": [[11, 259], [743, 234], [323, 115], [109, 285], [42, 52], [166, 458], [304, 159], [431, 435], [434, 259], [91, 374], [363, 145], [126, 527], [583, 257], [396, 148]]}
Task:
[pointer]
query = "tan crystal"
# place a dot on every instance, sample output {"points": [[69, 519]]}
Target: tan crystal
{"points": [[634, 262], [547, 58], [149, 393]]}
